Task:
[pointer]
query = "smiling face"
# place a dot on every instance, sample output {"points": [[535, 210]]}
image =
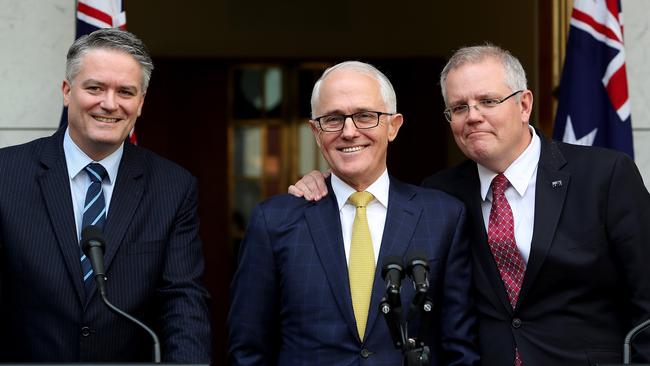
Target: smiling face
{"points": [[356, 156], [104, 99], [496, 140]]}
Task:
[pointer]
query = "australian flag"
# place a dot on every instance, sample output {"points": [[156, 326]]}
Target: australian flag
{"points": [[594, 107], [93, 15]]}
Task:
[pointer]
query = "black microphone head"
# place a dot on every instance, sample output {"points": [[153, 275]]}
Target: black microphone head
{"points": [[416, 258], [392, 262], [92, 236]]}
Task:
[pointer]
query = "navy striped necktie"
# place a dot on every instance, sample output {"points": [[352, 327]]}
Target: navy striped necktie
{"points": [[94, 213]]}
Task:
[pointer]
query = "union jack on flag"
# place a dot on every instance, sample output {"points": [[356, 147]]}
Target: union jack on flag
{"points": [[96, 14], [93, 15], [594, 106]]}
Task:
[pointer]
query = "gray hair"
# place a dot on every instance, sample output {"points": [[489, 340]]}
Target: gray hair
{"points": [[109, 39], [515, 74], [385, 87]]}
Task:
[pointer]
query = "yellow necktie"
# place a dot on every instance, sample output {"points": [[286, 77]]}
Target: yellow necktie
{"points": [[362, 261]]}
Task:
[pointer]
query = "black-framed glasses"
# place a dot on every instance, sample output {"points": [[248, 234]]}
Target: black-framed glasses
{"points": [[484, 106], [361, 120]]}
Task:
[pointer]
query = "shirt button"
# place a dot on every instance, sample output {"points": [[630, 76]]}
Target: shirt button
{"points": [[365, 353], [516, 323]]}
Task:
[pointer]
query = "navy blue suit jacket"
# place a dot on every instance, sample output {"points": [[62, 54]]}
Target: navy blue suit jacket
{"points": [[587, 281], [153, 259], [290, 298]]}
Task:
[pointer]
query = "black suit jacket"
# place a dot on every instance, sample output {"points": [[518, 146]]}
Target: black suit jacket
{"points": [[587, 280], [153, 260]]}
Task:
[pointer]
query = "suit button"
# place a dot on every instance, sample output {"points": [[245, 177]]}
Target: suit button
{"points": [[85, 331], [365, 353], [516, 323]]}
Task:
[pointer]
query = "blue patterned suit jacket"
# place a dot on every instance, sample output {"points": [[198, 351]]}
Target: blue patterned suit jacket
{"points": [[153, 260], [290, 298]]}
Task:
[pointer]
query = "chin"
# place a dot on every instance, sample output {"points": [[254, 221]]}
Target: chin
{"points": [[480, 156], [108, 140]]}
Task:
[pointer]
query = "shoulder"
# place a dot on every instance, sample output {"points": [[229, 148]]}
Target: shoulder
{"points": [[155, 166], [288, 203], [447, 177], [31, 149], [588, 159], [18, 162], [285, 212], [427, 197]]}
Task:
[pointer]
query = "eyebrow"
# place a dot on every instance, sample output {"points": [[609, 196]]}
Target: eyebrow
{"points": [[482, 96], [356, 110], [132, 88]]}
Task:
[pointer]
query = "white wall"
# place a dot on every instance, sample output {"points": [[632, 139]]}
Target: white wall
{"points": [[34, 38], [637, 49]]}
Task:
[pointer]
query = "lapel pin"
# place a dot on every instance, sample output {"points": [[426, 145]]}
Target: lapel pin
{"points": [[556, 184]]}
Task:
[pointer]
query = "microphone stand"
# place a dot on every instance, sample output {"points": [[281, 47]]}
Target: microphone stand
{"points": [[93, 244], [392, 316], [101, 286], [418, 353], [414, 351], [628, 339]]}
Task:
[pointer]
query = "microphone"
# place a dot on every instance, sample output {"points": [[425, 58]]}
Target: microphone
{"points": [[418, 269], [93, 244], [393, 272]]}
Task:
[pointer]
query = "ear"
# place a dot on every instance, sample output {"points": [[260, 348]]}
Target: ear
{"points": [[66, 88], [526, 105], [394, 125], [315, 130]]}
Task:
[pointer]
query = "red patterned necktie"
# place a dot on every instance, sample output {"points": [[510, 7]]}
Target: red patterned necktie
{"points": [[501, 239]]}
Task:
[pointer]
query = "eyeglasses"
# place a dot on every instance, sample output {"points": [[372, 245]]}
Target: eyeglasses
{"points": [[361, 120], [460, 112]]}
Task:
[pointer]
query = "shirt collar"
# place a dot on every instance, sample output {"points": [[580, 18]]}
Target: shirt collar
{"points": [[76, 159], [519, 172], [378, 188]]}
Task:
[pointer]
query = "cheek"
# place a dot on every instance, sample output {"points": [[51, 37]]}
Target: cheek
{"points": [[133, 109], [326, 142], [457, 131], [83, 103]]}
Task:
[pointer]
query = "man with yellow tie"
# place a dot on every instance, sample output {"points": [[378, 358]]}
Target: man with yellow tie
{"points": [[308, 285]]}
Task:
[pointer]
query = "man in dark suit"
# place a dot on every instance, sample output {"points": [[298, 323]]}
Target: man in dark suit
{"points": [[571, 276], [146, 207], [307, 288]]}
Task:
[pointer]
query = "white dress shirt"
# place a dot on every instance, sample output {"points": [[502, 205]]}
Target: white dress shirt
{"points": [[76, 160], [375, 211], [522, 174]]}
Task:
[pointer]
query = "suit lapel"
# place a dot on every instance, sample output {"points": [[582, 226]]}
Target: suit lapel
{"points": [[55, 188], [401, 219], [124, 202], [323, 220], [125, 199], [550, 193], [468, 189]]}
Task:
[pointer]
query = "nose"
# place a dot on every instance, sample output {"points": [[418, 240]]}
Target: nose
{"points": [[109, 102], [349, 129], [474, 113]]}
